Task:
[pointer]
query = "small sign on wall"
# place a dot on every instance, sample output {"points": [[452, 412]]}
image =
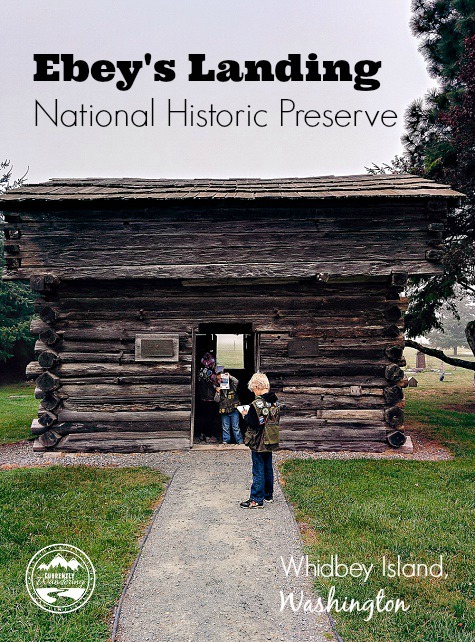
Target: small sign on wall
{"points": [[156, 347]]}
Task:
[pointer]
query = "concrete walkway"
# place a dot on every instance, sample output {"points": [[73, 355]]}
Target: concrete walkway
{"points": [[211, 571]]}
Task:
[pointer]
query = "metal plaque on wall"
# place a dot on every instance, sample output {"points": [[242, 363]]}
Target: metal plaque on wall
{"points": [[156, 347]]}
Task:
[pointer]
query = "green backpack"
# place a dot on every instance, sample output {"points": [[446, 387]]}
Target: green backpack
{"points": [[269, 417]]}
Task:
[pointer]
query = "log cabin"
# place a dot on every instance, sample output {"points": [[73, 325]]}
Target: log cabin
{"points": [[137, 278]]}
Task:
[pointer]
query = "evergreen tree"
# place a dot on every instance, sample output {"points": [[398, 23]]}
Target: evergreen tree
{"points": [[16, 300], [440, 144]]}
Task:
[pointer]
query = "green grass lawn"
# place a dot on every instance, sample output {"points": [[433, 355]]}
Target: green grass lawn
{"points": [[363, 510], [18, 407], [100, 511]]}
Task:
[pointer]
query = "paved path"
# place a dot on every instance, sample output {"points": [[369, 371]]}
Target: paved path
{"points": [[211, 571]]}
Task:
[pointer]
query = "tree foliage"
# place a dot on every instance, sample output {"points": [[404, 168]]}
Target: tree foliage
{"points": [[16, 310], [16, 300], [439, 144], [453, 320]]}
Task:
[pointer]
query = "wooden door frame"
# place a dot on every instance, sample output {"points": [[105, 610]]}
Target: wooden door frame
{"points": [[257, 350], [194, 332]]}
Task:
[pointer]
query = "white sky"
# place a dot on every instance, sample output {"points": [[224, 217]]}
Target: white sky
{"points": [[269, 29]]}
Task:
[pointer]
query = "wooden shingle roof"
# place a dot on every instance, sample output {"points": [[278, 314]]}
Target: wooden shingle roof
{"points": [[320, 187]]}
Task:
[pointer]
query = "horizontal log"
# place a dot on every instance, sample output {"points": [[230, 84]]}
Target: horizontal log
{"points": [[271, 362], [270, 247], [140, 233], [67, 415], [274, 365], [134, 391], [121, 442], [280, 341], [334, 434], [329, 352], [343, 370], [108, 347], [166, 288], [98, 404], [101, 357], [118, 380], [296, 424], [351, 414], [186, 211], [182, 318], [119, 328], [336, 391], [169, 429], [322, 401], [334, 446], [90, 385], [194, 301], [302, 235], [351, 268], [368, 381], [86, 370], [76, 347]]}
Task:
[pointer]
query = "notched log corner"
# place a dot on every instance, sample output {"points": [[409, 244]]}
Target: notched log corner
{"points": [[47, 440], [48, 314], [48, 359], [394, 416], [43, 282], [393, 373]]}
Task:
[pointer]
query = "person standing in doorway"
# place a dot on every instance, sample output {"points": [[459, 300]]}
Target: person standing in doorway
{"points": [[207, 412], [226, 397], [262, 437]]}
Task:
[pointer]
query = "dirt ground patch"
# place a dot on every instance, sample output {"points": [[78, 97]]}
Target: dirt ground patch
{"points": [[468, 407], [424, 445]]}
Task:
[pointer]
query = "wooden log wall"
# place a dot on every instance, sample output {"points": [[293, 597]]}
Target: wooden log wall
{"points": [[346, 239], [333, 354], [319, 280]]}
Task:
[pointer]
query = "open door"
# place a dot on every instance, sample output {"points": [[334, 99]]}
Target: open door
{"points": [[234, 347]]}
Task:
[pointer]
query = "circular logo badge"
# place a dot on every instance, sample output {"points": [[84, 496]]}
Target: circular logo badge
{"points": [[60, 578]]}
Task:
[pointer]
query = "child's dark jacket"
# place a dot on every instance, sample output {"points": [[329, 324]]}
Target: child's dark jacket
{"points": [[269, 434]]}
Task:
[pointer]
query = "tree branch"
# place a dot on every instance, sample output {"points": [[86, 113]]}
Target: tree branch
{"points": [[439, 354]]}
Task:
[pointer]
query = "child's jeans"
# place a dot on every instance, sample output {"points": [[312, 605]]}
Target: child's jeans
{"points": [[262, 476], [228, 421]]}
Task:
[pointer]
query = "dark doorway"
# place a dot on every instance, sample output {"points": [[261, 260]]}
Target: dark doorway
{"points": [[233, 346]]}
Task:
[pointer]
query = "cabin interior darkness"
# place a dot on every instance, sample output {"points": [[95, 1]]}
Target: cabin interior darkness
{"points": [[207, 340]]}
